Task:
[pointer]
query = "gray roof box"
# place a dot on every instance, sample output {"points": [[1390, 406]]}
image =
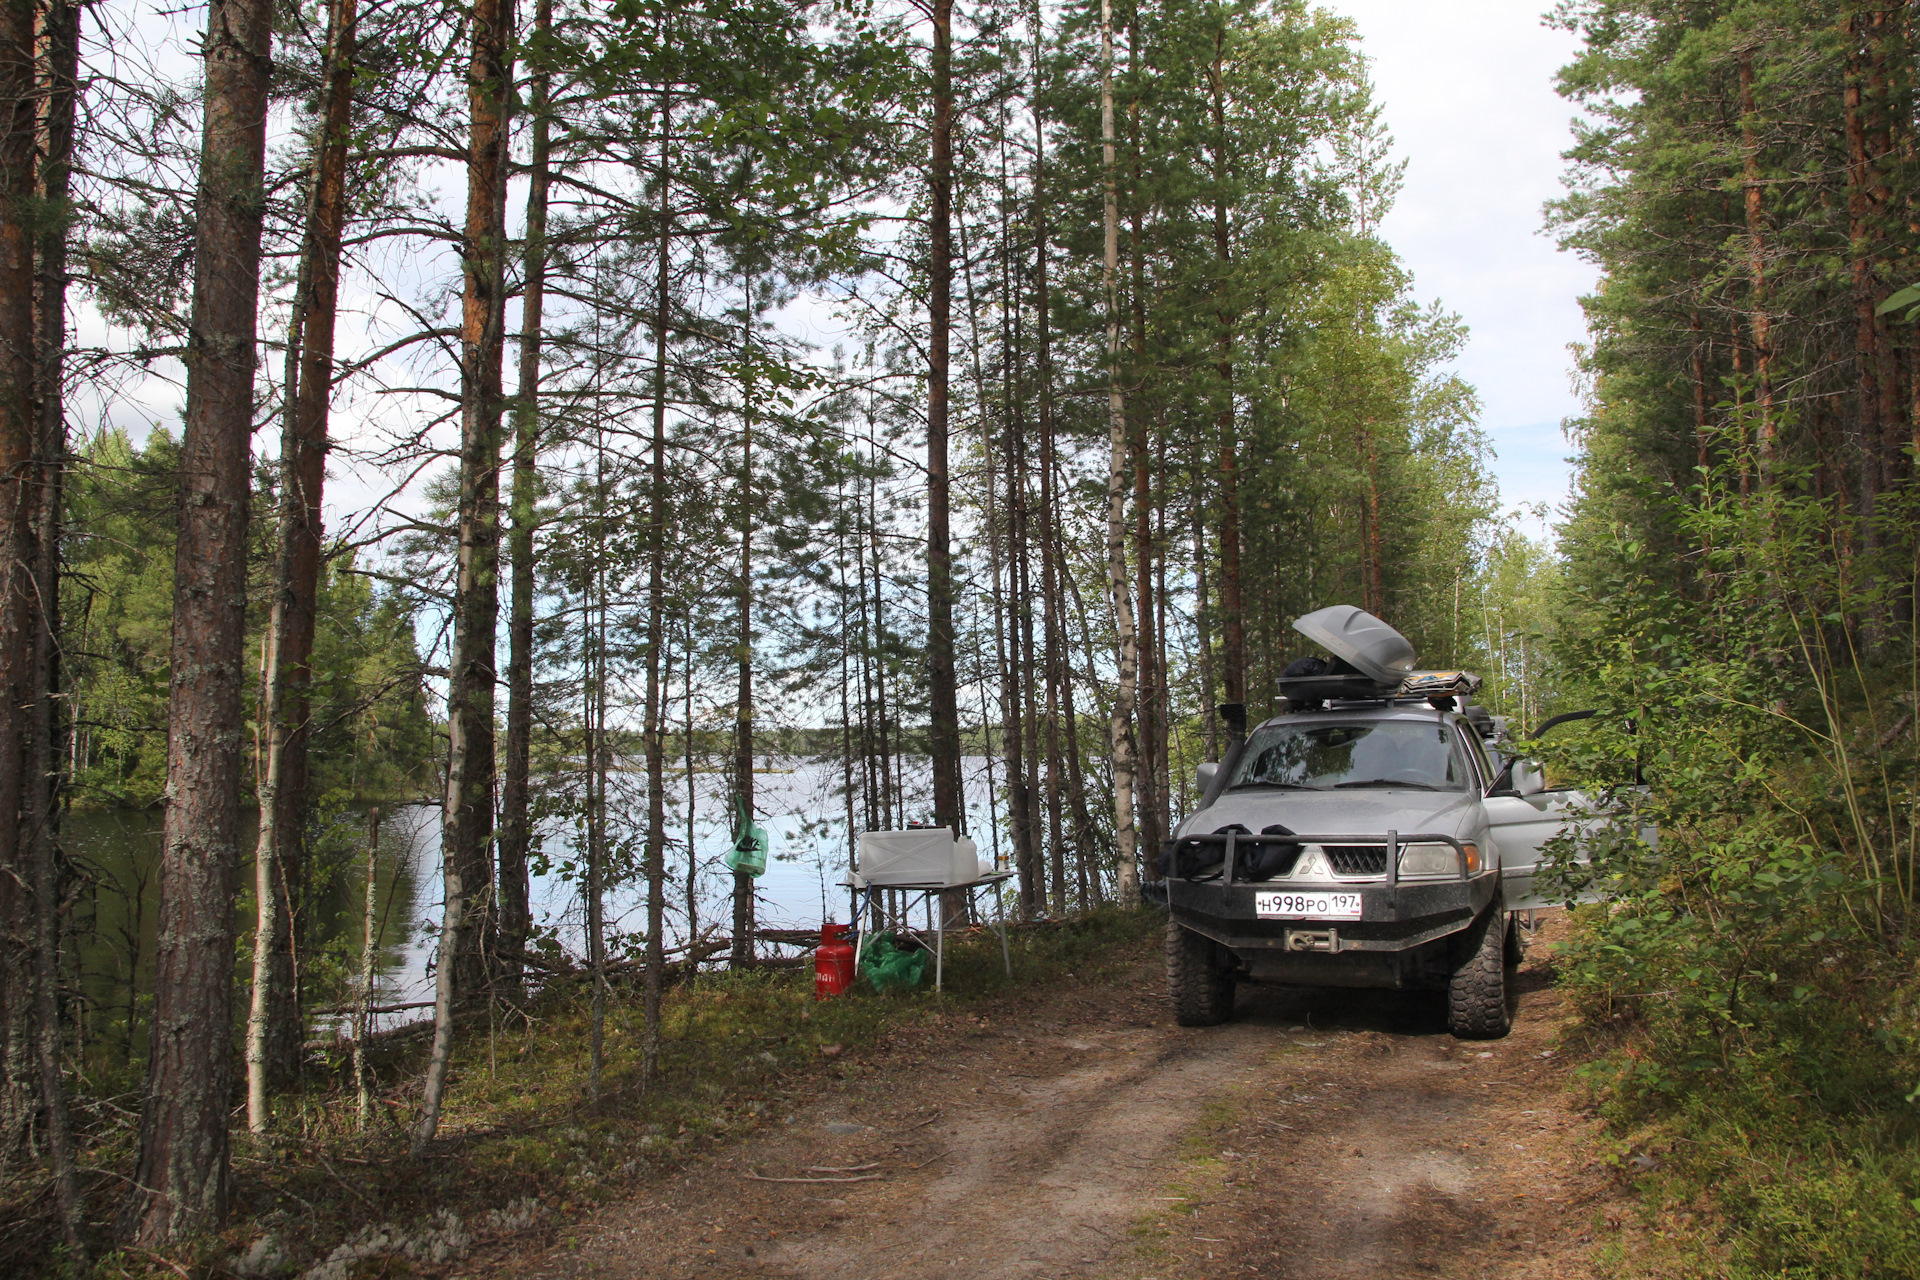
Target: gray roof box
{"points": [[1369, 645]]}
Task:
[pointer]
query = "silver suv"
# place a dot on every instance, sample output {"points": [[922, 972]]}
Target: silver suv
{"points": [[1370, 836]]}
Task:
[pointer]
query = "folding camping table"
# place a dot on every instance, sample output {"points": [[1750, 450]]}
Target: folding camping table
{"points": [[928, 893]]}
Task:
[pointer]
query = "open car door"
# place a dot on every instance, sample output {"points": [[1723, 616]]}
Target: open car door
{"points": [[1525, 817]]}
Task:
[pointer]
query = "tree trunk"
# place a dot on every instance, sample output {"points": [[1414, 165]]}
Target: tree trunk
{"points": [[19, 429], [943, 730], [467, 828], [516, 830], [1864, 432], [1075, 786], [594, 619], [1203, 640], [1013, 718], [1003, 661], [1233, 639], [59, 64], [656, 848], [273, 1021], [655, 919], [1121, 731], [1148, 696], [369, 952], [743, 904], [181, 1176], [1759, 319], [1153, 676], [1163, 711], [1050, 567], [1372, 557], [1885, 116]]}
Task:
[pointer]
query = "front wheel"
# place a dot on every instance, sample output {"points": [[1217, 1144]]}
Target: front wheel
{"points": [[1477, 989], [1199, 978]]}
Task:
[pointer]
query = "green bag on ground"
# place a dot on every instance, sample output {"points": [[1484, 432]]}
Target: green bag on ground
{"points": [[888, 967], [749, 852]]}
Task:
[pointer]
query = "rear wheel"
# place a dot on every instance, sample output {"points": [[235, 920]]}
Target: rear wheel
{"points": [[1477, 990], [1199, 978]]}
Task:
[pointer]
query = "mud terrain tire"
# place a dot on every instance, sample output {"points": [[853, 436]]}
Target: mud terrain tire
{"points": [[1477, 991], [1199, 978]]}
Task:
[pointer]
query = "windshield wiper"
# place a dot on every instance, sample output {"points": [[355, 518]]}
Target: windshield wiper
{"points": [[1389, 782], [1273, 786]]}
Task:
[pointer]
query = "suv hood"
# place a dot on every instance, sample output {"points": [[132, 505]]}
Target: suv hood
{"points": [[1361, 812]]}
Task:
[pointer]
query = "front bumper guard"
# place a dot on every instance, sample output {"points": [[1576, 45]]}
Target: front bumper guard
{"points": [[1396, 915]]}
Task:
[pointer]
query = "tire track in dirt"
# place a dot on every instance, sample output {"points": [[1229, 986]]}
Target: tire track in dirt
{"points": [[1373, 1144], [1052, 1181], [1326, 1135]]}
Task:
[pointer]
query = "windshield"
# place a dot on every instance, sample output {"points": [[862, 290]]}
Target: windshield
{"points": [[1390, 754]]}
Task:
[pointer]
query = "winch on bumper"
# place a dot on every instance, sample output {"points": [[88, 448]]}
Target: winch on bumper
{"points": [[1396, 939]]}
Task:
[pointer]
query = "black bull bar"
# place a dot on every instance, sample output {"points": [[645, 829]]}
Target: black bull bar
{"points": [[1231, 842]]}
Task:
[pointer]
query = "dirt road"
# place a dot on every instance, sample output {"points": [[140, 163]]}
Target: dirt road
{"points": [[1080, 1133]]}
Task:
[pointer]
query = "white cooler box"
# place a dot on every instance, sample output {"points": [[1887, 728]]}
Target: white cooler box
{"points": [[926, 855]]}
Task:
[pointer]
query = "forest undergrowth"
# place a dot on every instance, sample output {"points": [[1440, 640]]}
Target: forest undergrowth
{"points": [[1750, 994], [521, 1146]]}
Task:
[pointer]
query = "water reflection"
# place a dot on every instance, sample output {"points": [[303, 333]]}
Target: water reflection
{"points": [[118, 854], [799, 802]]}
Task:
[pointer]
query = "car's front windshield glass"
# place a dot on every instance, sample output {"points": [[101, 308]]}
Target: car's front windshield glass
{"points": [[1389, 754]]}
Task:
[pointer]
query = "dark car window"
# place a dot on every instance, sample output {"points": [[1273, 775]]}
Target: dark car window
{"points": [[1385, 754]]}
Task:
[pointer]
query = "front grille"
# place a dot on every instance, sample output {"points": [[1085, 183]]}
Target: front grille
{"points": [[1357, 859]]}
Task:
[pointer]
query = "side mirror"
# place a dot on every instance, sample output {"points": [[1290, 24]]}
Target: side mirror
{"points": [[1204, 774], [1528, 778]]}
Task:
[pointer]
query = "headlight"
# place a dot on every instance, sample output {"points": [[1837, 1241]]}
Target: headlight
{"points": [[1436, 861]]}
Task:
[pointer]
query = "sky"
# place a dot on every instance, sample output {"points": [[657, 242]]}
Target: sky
{"points": [[1467, 87], [1467, 91]]}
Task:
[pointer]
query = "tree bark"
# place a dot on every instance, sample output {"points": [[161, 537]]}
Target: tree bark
{"points": [[1016, 674], [1888, 40], [1147, 698], [1121, 727], [943, 730], [1152, 680], [59, 40], [1372, 555], [1233, 639], [1759, 318], [594, 620], [743, 904], [19, 483], [369, 951], [1203, 641], [516, 830], [181, 1176], [274, 1022], [656, 857], [467, 827], [1050, 567], [1003, 661]]}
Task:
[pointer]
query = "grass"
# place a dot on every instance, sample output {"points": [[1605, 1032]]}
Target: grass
{"points": [[519, 1142], [1778, 1143]]}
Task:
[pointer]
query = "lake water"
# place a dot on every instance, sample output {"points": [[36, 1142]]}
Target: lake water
{"points": [[798, 802]]}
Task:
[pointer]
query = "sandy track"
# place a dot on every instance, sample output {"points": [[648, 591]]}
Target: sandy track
{"points": [[1085, 1135]]}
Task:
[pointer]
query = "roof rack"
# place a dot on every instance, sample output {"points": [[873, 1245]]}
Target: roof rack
{"points": [[1371, 663]]}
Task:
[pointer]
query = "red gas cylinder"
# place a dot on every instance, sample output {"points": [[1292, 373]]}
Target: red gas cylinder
{"points": [[833, 962]]}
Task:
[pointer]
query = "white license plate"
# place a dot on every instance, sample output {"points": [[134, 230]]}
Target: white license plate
{"points": [[1283, 905]]}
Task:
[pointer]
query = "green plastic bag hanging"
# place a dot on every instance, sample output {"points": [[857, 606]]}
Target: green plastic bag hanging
{"points": [[749, 852], [889, 968]]}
